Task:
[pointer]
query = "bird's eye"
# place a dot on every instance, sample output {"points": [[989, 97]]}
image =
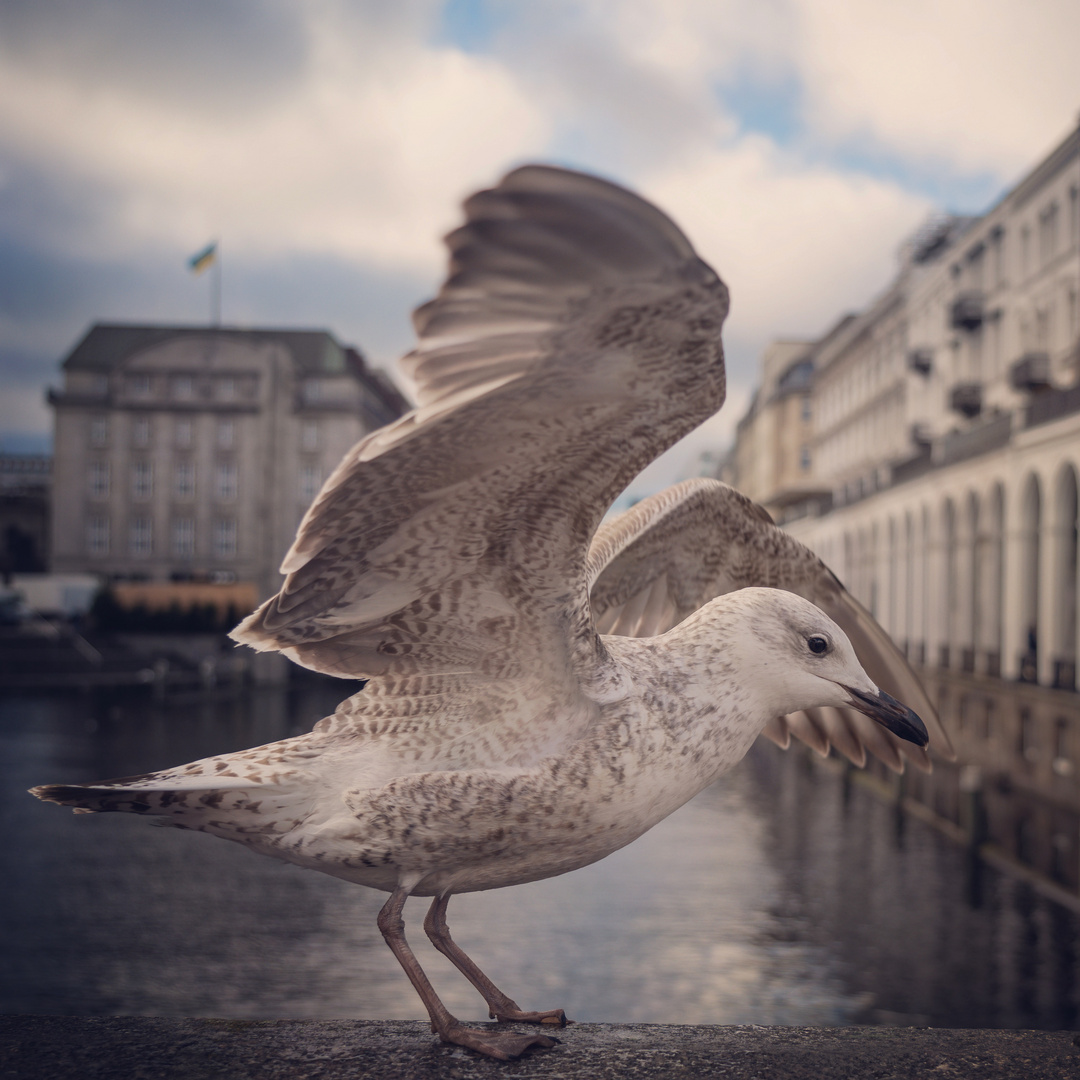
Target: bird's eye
{"points": [[818, 644]]}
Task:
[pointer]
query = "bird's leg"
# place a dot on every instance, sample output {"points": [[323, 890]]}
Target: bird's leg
{"points": [[500, 1007], [497, 1044]]}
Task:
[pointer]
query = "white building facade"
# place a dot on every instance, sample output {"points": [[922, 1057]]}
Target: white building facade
{"points": [[947, 422]]}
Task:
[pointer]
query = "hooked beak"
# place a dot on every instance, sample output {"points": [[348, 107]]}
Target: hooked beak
{"points": [[890, 714]]}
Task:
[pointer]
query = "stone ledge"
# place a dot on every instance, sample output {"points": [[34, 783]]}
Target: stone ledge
{"points": [[152, 1048]]}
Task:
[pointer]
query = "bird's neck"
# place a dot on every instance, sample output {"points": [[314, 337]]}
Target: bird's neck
{"points": [[694, 713]]}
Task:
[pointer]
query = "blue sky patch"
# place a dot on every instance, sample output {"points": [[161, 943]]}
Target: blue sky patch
{"points": [[965, 193], [766, 107], [470, 24]]}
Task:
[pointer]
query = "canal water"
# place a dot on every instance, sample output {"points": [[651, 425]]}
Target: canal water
{"points": [[781, 895]]}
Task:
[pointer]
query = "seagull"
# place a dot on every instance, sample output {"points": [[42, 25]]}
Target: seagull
{"points": [[543, 685]]}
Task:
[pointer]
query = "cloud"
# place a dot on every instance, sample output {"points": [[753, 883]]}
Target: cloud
{"points": [[363, 157], [796, 243], [205, 55], [969, 84], [327, 144]]}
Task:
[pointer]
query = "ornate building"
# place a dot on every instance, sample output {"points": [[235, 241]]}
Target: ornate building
{"points": [[190, 454]]}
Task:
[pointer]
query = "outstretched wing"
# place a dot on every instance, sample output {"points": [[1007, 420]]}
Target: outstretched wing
{"points": [[577, 336], [653, 565]]}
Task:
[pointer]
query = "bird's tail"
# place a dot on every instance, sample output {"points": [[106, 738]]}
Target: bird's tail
{"points": [[150, 794]]}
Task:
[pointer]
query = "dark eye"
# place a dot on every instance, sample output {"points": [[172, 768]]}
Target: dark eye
{"points": [[818, 644]]}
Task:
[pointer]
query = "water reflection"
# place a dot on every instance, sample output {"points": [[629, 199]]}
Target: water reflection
{"points": [[777, 897]]}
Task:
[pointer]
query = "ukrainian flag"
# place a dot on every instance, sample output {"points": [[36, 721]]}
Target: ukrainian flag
{"points": [[198, 263]]}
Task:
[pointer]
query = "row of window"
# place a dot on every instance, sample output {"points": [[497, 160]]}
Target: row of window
{"points": [[226, 436], [184, 430], [226, 480], [1038, 246], [185, 387], [140, 537]]}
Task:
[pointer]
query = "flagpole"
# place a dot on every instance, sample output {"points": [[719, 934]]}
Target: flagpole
{"points": [[209, 258], [215, 291]]}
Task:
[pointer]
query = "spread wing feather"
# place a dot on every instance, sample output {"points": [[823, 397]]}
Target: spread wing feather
{"points": [[661, 560], [576, 337]]}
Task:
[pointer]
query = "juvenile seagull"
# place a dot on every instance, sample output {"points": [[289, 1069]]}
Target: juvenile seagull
{"points": [[512, 728]]}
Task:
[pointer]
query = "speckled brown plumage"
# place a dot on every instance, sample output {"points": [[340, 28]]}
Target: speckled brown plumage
{"points": [[449, 560]]}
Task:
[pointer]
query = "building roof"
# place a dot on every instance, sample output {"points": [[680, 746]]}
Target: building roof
{"points": [[108, 345]]}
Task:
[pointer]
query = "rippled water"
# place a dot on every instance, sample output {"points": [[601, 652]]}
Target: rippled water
{"points": [[778, 896]]}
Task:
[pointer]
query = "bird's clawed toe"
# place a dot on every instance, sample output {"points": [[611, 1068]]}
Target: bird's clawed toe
{"points": [[553, 1017], [503, 1045]]}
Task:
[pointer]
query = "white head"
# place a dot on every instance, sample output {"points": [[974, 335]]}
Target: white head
{"points": [[790, 655]]}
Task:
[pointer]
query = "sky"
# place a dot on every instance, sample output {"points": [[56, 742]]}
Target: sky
{"points": [[326, 145]]}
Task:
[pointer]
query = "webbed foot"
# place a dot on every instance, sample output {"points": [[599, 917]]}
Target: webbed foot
{"points": [[554, 1017], [503, 1045]]}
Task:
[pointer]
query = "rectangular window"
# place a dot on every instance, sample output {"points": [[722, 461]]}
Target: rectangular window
{"points": [[185, 434], [141, 536], [227, 388], [225, 538], [225, 487], [185, 479], [97, 535], [226, 434], [183, 387], [997, 255], [99, 431], [312, 391], [309, 435], [310, 482], [140, 431], [975, 268], [98, 478], [139, 386], [142, 480], [1048, 233], [183, 536]]}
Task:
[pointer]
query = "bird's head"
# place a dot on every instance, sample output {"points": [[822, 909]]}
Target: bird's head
{"points": [[792, 656]]}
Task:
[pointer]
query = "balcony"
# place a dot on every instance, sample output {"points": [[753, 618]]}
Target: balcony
{"points": [[1052, 405], [966, 312], [921, 361], [1031, 373], [966, 399], [981, 439]]}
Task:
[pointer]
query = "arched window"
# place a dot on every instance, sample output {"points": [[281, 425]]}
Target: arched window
{"points": [[1064, 556], [950, 598], [1030, 513], [923, 571], [971, 579], [909, 585], [992, 583]]}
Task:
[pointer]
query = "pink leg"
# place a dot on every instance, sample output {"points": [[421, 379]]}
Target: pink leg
{"points": [[496, 1044], [500, 1007]]}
